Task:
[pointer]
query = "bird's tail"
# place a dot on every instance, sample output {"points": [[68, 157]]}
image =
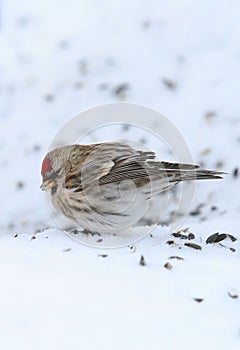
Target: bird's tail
{"points": [[189, 172]]}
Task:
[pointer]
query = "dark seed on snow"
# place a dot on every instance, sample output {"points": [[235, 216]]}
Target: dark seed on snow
{"points": [[36, 148], [99, 240], [179, 235], [216, 237], [121, 90], [126, 127], [198, 300], [191, 236], [142, 261], [170, 242], [232, 249], [170, 84], [176, 257], [220, 237], [195, 212], [209, 115], [214, 208], [168, 266], [103, 255], [193, 245], [67, 250], [49, 97], [233, 239], [235, 172], [233, 296], [20, 184]]}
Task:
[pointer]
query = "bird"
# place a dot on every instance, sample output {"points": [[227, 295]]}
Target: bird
{"points": [[108, 187]]}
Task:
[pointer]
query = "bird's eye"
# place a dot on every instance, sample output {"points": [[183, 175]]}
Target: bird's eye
{"points": [[57, 172]]}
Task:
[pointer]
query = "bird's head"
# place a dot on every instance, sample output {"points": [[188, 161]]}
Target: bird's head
{"points": [[57, 164], [49, 174], [53, 167]]}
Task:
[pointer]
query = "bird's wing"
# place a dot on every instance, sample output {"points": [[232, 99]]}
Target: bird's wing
{"points": [[109, 162], [116, 162]]}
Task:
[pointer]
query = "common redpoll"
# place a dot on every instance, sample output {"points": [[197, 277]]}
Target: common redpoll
{"points": [[108, 186]]}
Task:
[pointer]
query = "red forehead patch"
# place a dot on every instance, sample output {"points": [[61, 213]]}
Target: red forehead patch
{"points": [[46, 166]]}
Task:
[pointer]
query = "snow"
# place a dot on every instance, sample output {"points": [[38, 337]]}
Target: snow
{"points": [[60, 58]]}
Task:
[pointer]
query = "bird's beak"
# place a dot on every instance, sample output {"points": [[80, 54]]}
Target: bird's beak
{"points": [[47, 185]]}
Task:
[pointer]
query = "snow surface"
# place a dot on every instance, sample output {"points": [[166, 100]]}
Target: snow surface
{"points": [[58, 58]]}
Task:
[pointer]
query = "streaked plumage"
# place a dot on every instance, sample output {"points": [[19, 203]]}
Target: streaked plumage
{"points": [[108, 186]]}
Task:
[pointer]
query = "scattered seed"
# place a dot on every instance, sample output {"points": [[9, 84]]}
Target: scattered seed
{"points": [[49, 97], [219, 164], [210, 115], [198, 300], [232, 249], [121, 90], [20, 185], [193, 245], [170, 84], [126, 127], [233, 239], [176, 257], [142, 261], [170, 242], [39, 230], [233, 296], [179, 235], [195, 212], [212, 238], [103, 255], [168, 266], [191, 236], [143, 140], [205, 151], [216, 238], [99, 240], [213, 208], [36, 148], [89, 232], [33, 237], [67, 250], [132, 248], [235, 172], [16, 235]]}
